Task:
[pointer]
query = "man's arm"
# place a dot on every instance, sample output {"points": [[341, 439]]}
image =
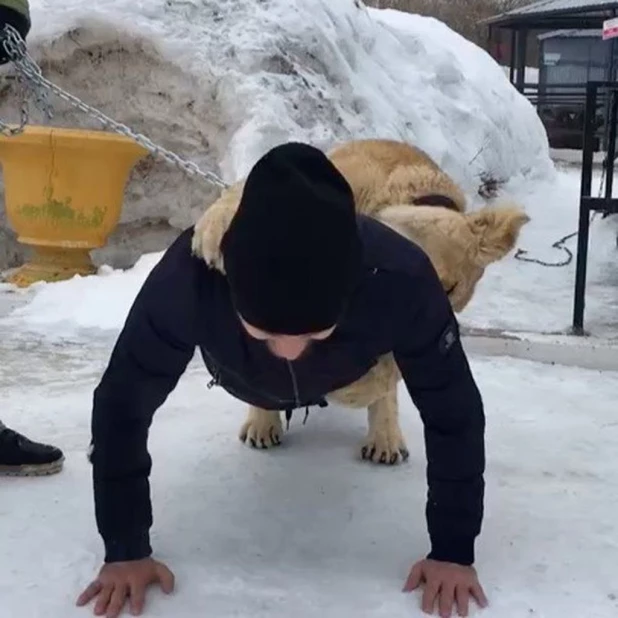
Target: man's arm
{"points": [[438, 377], [150, 355]]}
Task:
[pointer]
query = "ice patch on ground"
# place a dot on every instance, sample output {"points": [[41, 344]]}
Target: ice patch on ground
{"points": [[308, 530]]}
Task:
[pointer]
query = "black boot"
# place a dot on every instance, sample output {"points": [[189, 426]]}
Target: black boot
{"points": [[20, 456]]}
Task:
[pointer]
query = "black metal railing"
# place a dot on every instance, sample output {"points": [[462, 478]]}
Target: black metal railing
{"points": [[607, 93]]}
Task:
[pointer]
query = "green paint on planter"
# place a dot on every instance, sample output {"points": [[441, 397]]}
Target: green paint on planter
{"points": [[60, 212]]}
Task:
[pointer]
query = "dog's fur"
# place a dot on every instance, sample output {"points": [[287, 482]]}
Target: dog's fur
{"points": [[385, 173], [401, 186]]}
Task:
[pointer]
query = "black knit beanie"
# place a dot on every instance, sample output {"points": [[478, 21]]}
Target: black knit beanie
{"points": [[292, 253]]}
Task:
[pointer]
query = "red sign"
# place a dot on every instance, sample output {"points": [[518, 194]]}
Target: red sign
{"points": [[610, 28]]}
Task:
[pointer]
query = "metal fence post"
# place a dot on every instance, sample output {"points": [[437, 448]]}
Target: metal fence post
{"points": [[584, 210]]}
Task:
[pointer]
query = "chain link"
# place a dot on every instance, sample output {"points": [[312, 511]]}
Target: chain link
{"points": [[15, 49], [36, 87]]}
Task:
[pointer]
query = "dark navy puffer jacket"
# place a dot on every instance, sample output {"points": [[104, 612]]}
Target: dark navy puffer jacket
{"points": [[184, 305]]}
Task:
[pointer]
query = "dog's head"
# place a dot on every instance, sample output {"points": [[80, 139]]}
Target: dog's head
{"points": [[459, 245]]}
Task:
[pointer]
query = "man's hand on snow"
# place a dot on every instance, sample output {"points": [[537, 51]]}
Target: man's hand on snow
{"points": [[121, 581], [448, 584]]}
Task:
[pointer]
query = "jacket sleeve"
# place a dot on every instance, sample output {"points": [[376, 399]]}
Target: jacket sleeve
{"points": [[151, 353], [437, 375]]}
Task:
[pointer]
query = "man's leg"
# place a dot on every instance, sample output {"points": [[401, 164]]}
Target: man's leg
{"points": [[20, 456]]}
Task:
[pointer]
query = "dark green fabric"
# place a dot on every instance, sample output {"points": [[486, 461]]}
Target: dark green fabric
{"points": [[15, 13], [21, 6]]}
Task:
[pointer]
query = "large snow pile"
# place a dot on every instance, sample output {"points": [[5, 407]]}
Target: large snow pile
{"points": [[223, 81]]}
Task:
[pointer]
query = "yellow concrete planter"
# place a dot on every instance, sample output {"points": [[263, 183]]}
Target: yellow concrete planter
{"points": [[64, 191]]}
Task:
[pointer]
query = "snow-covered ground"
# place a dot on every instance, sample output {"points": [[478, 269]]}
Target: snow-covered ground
{"points": [[522, 296], [306, 530]]}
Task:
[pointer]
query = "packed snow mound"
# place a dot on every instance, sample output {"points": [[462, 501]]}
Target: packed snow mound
{"points": [[81, 303], [478, 117], [221, 82]]}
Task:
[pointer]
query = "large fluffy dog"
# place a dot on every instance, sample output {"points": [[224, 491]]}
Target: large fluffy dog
{"points": [[403, 187]]}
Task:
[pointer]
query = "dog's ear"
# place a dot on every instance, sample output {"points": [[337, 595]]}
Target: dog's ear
{"points": [[497, 230]]}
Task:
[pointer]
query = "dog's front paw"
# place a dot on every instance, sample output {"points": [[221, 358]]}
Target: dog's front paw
{"points": [[262, 429], [385, 446]]}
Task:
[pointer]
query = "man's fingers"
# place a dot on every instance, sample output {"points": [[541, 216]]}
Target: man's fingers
{"points": [[479, 595], [166, 579], [119, 596], [432, 588], [446, 599], [414, 579], [462, 598], [103, 599], [91, 591], [137, 598]]}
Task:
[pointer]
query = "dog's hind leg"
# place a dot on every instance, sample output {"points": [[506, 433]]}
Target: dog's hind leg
{"points": [[262, 428], [385, 443]]}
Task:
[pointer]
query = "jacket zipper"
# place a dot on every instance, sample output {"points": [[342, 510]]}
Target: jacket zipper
{"points": [[216, 381], [294, 384]]}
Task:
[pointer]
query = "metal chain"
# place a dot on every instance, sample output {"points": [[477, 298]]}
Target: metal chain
{"points": [[15, 49], [36, 87], [559, 244]]}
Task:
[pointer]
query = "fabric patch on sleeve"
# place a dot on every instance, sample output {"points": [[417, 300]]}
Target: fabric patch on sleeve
{"points": [[448, 338]]}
